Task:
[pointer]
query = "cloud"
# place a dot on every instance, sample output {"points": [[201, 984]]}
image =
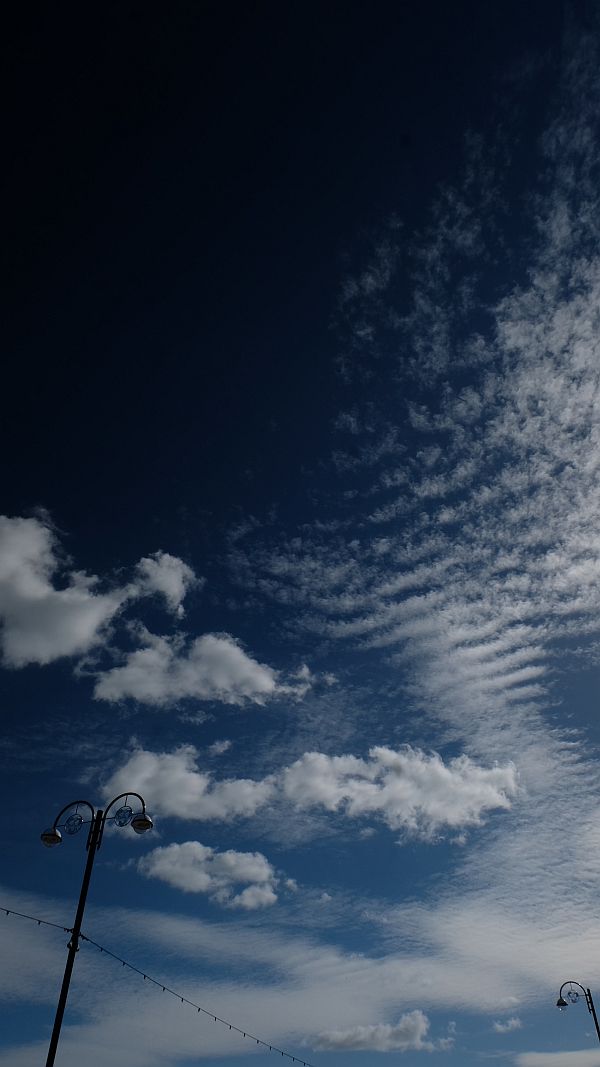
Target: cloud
{"points": [[169, 576], [408, 1034], [40, 621], [472, 562], [172, 784], [196, 868], [408, 789], [289, 984], [211, 667], [218, 748], [580, 1058], [495, 483], [506, 1027], [49, 611]]}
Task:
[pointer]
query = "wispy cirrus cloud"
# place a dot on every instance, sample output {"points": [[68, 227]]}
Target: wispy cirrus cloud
{"points": [[475, 551]]}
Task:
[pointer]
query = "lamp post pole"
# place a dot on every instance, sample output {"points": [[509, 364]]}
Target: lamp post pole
{"points": [[141, 822], [573, 996]]}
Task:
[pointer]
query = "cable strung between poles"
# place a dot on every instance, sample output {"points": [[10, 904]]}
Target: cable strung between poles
{"points": [[165, 988]]}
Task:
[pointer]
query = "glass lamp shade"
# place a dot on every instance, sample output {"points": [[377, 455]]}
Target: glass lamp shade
{"points": [[51, 837], [142, 822]]}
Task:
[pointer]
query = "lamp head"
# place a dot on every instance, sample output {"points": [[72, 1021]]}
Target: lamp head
{"points": [[51, 837], [561, 1004], [142, 822]]}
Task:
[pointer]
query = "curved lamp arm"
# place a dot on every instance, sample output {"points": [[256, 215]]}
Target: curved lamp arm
{"points": [[74, 804], [573, 996], [120, 797], [105, 814]]}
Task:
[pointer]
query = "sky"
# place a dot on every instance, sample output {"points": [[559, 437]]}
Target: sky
{"points": [[299, 532]]}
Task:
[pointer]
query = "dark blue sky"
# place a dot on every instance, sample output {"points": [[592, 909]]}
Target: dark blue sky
{"points": [[185, 190]]}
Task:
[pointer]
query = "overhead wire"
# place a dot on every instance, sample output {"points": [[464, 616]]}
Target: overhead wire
{"points": [[40, 922], [162, 985]]}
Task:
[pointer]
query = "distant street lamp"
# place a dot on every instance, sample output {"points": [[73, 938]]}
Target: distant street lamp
{"points": [[124, 816], [572, 998]]}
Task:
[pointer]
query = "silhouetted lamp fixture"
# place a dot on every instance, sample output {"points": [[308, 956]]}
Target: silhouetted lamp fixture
{"points": [[573, 995], [140, 821]]}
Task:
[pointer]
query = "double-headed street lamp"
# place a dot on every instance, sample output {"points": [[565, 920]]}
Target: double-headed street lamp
{"points": [[140, 821], [573, 996]]}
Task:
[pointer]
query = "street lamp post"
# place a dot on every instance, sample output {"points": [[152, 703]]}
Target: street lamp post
{"points": [[124, 816], [573, 996]]}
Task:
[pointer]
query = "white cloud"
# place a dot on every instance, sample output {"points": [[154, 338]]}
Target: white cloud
{"points": [[291, 985], [408, 1034], [172, 784], [580, 1058], [255, 896], [218, 748], [408, 789], [169, 576], [508, 1025], [40, 621], [196, 868], [48, 610], [211, 667]]}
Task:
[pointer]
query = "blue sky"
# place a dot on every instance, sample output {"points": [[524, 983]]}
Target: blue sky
{"points": [[299, 537]]}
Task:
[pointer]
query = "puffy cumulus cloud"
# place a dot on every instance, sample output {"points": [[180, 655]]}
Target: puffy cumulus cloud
{"points": [[40, 622], [507, 1026], [408, 789], [212, 667], [196, 868], [168, 576], [408, 1034], [172, 784], [49, 610]]}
